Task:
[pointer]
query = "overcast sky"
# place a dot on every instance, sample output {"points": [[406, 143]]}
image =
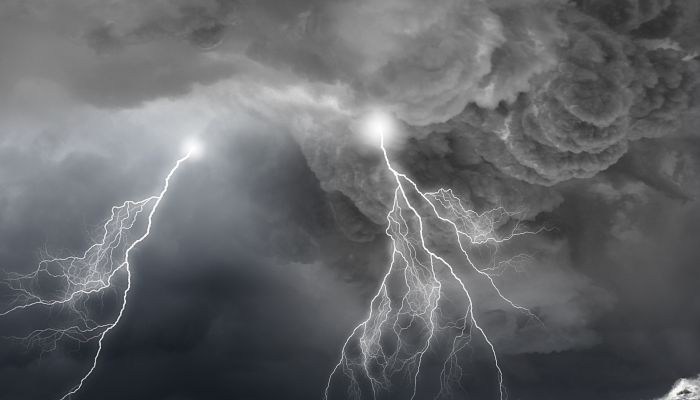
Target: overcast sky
{"points": [[267, 249]]}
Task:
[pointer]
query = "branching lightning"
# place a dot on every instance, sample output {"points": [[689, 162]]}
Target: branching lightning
{"points": [[76, 285], [424, 303]]}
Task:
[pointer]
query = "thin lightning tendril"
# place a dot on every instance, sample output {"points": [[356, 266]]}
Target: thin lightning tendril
{"points": [[411, 310], [83, 278]]}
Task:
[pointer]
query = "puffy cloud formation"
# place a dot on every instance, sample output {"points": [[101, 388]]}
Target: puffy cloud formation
{"points": [[500, 100], [574, 115], [552, 95], [427, 61], [606, 91]]}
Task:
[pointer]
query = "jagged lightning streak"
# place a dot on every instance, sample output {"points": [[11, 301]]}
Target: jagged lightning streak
{"points": [[83, 278], [410, 313]]}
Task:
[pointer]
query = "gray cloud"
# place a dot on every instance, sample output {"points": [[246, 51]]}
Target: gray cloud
{"points": [[580, 115]]}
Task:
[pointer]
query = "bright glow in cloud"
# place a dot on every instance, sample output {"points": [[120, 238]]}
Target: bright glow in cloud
{"points": [[378, 124], [193, 147]]}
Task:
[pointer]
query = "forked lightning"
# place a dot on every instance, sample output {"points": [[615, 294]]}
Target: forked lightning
{"points": [[76, 285], [417, 306]]}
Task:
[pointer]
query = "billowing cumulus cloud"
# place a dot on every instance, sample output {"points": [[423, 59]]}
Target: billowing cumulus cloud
{"points": [[491, 95], [605, 91], [426, 62]]}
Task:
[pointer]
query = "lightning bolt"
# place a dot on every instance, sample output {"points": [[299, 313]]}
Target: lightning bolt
{"points": [[86, 278], [422, 300]]}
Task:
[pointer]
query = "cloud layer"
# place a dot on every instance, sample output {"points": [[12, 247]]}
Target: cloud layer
{"points": [[579, 115]]}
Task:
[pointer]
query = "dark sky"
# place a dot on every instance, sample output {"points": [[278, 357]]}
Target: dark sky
{"points": [[267, 249]]}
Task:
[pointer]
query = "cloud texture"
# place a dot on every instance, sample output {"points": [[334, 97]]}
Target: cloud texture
{"points": [[579, 115]]}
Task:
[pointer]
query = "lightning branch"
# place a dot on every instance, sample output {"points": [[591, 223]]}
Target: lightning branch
{"points": [[424, 304], [76, 286]]}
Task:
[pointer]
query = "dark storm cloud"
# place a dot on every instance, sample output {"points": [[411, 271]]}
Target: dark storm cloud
{"points": [[575, 94], [524, 104], [605, 92], [572, 118]]}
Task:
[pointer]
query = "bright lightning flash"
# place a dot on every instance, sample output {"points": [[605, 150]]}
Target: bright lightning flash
{"points": [[424, 303], [193, 147], [377, 126], [76, 285]]}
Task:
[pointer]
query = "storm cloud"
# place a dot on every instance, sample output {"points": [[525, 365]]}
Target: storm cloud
{"points": [[579, 115]]}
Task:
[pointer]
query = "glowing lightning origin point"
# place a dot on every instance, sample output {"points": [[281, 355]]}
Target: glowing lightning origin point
{"points": [[193, 148], [411, 311], [378, 126], [88, 277]]}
